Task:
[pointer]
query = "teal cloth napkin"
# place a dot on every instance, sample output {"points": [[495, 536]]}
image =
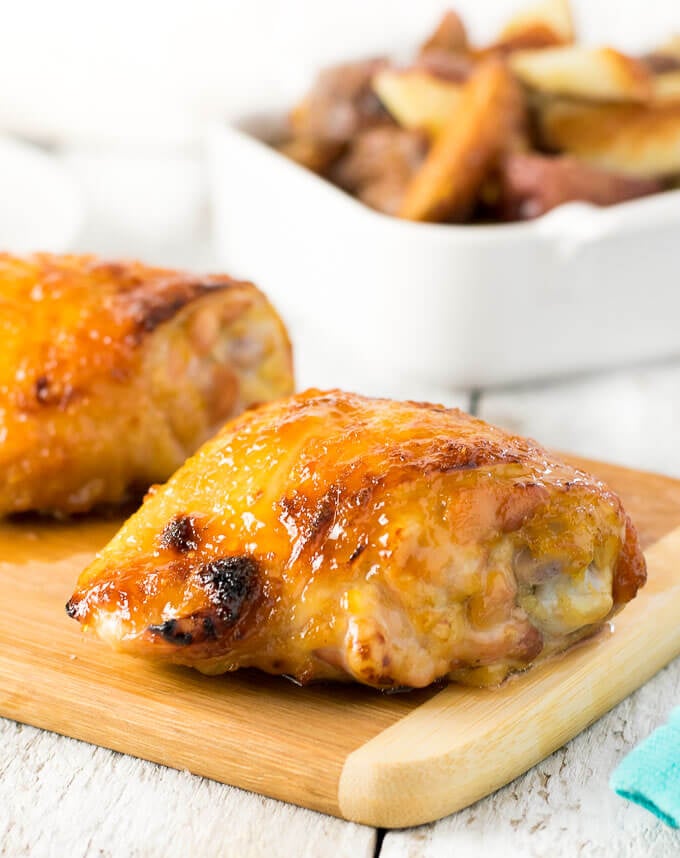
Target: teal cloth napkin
{"points": [[650, 774]]}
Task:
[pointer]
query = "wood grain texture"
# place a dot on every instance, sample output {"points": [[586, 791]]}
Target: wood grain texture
{"points": [[257, 732], [60, 797]]}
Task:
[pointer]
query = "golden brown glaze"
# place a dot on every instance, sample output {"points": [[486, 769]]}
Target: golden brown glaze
{"points": [[331, 536], [112, 373]]}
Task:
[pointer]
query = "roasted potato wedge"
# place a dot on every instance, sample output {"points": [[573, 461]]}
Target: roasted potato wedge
{"points": [[664, 58], [670, 48], [544, 25], [595, 74], [417, 99], [667, 86], [489, 112], [635, 139], [450, 35]]}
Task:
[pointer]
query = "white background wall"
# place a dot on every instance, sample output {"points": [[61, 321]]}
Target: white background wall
{"points": [[157, 70]]}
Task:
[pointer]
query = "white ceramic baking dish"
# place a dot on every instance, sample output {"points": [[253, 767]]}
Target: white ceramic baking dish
{"points": [[376, 303]]}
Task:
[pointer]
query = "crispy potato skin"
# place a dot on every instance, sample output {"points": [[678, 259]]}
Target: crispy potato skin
{"points": [[331, 536], [113, 372], [598, 74], [487, 119], [634, 139], [417, 98], [543, 26]]}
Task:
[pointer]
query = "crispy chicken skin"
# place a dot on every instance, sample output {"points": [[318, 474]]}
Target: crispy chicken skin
{"points": [[331, 536], [112, 373]]}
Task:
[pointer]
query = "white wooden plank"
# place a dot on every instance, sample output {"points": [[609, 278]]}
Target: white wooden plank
{"points": [[629, 417], [563, 807], [60, 797]]}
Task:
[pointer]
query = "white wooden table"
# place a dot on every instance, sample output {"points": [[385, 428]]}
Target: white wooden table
{"points": [[63, 798]]}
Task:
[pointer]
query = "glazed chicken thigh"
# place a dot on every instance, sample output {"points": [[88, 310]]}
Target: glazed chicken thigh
{"points": [[331, 536], [111, 374]]}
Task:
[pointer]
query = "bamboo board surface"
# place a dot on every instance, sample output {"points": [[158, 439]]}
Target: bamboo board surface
{"points": [[383, 760]]}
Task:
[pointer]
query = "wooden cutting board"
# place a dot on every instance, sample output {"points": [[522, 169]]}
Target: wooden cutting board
{"points": [[382, 760]]}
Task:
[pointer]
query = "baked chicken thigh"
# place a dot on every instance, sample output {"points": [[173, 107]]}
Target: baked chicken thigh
{"points": [[112, 373], [331, 536]]}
